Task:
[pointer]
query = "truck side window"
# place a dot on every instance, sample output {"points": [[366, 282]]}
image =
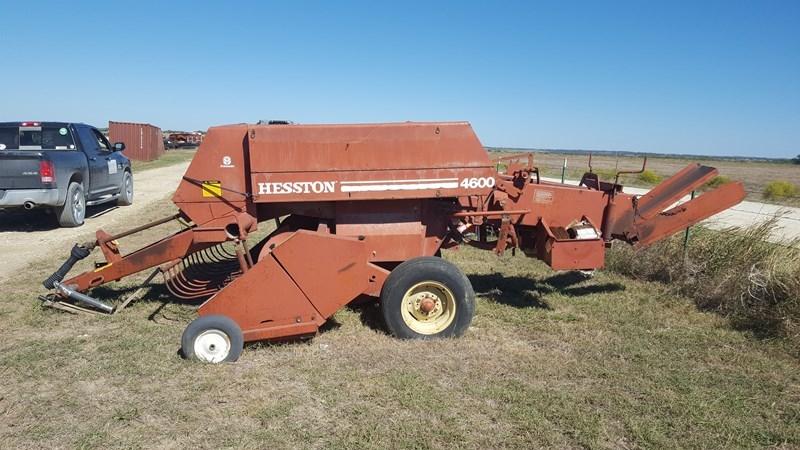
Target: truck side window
{"points": [[9, 138], [102, 142]]}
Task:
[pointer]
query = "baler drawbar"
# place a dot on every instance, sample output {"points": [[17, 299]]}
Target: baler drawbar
{"points": [[362, 211]]}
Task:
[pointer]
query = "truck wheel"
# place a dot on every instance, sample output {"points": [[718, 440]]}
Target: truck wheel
{"points": [[425, 298], [126, 190], [212, 339], [73, 211]]}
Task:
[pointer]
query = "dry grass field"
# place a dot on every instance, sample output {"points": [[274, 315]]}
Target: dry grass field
{"points": [[169, 158], [551, 360], [755, 174]]}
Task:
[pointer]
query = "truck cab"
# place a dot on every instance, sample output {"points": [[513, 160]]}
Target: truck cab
{"points": [[63, 167]]}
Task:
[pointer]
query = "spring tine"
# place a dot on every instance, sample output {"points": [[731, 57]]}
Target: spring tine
{"points": [[203, 272], [218, 253]]}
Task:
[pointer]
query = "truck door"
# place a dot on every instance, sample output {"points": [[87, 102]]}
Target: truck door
{"points": [[99, 182], [111, 158]]}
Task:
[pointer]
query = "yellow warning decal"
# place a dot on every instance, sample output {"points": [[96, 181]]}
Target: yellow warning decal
{"points": [[212, 188], [106, 266]]}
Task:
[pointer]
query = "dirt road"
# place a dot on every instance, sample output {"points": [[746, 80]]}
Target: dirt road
{"points": [[26, 237]]}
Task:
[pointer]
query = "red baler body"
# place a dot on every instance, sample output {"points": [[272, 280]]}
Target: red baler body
{"points": [[354, 201]]}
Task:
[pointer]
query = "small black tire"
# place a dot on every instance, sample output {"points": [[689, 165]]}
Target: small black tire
{"points": [[212, 339], [126, 190], [427, 297], [73, 212]]}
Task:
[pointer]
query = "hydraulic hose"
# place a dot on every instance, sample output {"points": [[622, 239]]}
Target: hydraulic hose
{"points": [[77, 253]]}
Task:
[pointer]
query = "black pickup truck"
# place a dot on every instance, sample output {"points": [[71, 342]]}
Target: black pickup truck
{"points": [[64, 167]]}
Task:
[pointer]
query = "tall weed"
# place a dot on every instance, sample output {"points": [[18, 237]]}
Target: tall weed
{"points": [[736, 271]]}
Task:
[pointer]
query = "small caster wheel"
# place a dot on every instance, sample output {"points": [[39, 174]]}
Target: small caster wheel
{"points": [[212, 339]]}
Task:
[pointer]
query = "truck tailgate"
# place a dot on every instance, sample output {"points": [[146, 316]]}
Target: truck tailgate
{"points": [[20, 169]]}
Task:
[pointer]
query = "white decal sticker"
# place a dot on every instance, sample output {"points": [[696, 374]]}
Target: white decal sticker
{"points": [[542, 196], [112, 167], [473, 183], [327, 187], [227, 162], [62, 131], [399, 185], [2, 146], [297, 187]]}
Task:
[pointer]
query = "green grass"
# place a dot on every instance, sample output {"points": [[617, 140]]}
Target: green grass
{"points": [[739, 273], [649, 177], [551, 360], [779, 189], [169, 158], [716, 182]]}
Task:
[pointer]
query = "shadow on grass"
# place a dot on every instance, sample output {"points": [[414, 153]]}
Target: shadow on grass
{"points": [[44, 220], [517, 291], [524, 292], [156, 293], [369, 312]]}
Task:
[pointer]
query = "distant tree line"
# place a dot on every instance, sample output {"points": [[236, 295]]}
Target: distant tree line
{"points": [[796, 160]]}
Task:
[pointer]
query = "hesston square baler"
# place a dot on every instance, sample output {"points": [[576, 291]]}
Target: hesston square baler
{"points": [[362, 211]]}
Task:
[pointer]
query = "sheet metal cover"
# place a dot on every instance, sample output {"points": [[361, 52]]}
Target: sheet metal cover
{"points": [[383, 147]]}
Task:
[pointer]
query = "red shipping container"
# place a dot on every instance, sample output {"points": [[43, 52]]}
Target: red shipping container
{"points": [[143, 142]]}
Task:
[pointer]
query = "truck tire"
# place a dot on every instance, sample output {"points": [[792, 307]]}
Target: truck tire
{"points": [[73, 211], [212, 339], [426, 298], [126, 190]]}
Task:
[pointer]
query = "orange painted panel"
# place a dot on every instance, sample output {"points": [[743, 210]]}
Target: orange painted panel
{"points": [[331, 270]]}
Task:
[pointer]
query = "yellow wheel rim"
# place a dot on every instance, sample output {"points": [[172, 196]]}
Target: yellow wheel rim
{"points": [[428, 307]]}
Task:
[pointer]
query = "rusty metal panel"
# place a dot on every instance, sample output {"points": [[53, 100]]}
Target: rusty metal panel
{"points": [[381, 147], [558, 204], [642, 221], [330, 270], [294, 163], [289, 163], [573, 254], [664, 224], [557, 249], [143, 142], [672, 189], [279, 311]]}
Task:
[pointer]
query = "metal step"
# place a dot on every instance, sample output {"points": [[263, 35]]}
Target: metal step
{"points": [[103, 199]]}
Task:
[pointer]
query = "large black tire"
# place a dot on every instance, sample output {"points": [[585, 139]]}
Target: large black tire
{"points": [[426, 298], [212, 339], [73, 211], [126, 190]]}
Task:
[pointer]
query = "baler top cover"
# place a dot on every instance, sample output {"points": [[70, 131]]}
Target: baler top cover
{"points": [[289, 163]]}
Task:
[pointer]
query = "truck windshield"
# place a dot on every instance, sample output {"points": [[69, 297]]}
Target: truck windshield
{"points": [[40, 137]]}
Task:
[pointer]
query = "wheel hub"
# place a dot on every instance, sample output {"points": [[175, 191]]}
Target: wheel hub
{"points": [[428, 307], [77, 201], [212, 346]]}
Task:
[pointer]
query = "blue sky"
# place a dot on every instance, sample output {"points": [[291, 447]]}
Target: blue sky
{"points": [[718, 78]]}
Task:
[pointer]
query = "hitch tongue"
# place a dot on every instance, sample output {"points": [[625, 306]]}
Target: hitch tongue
{"points": [[80, 297]]}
